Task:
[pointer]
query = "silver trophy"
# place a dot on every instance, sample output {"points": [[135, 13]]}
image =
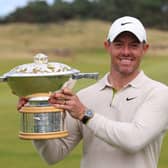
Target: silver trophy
{"points": [[36, 81]]}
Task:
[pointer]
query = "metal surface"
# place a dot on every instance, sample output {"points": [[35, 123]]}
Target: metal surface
{"points": [[41, 76], [85, 75], [23, 86], [41, 122], [35, 81]]}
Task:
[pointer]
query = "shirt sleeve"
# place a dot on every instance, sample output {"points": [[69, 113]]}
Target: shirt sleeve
{"points": [[150, 121], [54, 150]]}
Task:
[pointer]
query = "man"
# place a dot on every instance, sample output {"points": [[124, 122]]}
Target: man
{"points": [[123, 117]]}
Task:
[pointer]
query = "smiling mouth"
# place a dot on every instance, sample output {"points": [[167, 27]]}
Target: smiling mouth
{"points": [[126, 60]]}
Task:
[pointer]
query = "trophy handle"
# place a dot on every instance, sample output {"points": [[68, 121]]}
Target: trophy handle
{"points": [[85, 75]]}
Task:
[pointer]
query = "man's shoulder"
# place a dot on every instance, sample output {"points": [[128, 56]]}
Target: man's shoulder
{"points": [[156, 87], [156, 84]]}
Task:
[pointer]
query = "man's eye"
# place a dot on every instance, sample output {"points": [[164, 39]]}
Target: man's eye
{"points": [[134, 45], [118, 44]]}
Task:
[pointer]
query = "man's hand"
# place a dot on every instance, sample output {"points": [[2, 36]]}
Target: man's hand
{"points": [[22, 101], [67, 100]]}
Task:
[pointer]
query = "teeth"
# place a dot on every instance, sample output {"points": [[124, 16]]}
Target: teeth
{"points": [[126, 60]]}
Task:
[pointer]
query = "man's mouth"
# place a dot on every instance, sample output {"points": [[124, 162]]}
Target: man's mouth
{"points": [[126, 60]]}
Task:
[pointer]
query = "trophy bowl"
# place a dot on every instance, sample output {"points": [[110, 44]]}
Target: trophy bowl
{"points": [[41, 76], [36, 81], [38, 77], [23, 86]]}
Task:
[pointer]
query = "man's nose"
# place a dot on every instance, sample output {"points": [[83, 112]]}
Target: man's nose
{"points": [[125, 50]]}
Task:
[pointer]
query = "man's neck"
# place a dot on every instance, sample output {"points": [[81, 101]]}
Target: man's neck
{"points": [[118, 81]]}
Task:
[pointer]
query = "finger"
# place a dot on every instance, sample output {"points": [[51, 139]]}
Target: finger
{"points": [[65, 104], [21, 103], [67, 91], [62, 106], [56, 100], [61, 102], [55, 97], [18, 107], [52, 101]]}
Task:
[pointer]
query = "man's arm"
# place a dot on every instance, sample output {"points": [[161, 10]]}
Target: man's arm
{"points": [[150, 121], [55, 150]]}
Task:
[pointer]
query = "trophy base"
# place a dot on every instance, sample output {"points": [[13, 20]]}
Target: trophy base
{"points": [[49, 135], [40, 120]]}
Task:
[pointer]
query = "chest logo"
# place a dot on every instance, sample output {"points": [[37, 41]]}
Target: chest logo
{"points": [[130, 98]]}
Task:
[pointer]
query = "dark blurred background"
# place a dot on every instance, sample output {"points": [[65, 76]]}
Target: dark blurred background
{"points": [[154, 13]]}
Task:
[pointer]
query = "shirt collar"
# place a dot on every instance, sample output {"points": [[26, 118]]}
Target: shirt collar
{"points": [[136, 82], [103, 83]]}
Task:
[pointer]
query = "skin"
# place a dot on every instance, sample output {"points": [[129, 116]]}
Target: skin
{"points": [[67, 100], [126, 53]]}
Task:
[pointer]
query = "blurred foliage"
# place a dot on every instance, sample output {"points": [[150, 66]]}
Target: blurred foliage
{"points": [[154, 13]]}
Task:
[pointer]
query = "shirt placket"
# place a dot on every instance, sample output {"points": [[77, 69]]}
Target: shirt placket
{"points": [[114, 93]]}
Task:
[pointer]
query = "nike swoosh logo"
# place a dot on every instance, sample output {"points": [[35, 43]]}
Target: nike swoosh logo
{"points": [[122, 24], [130, 98]]}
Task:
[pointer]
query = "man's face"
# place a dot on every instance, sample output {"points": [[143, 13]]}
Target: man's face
{"points": [[126, 53]]}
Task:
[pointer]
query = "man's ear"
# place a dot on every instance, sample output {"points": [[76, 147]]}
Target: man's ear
{"points": [[145, 47], [106, 44]]}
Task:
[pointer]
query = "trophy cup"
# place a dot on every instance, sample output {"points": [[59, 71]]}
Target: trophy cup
{"points": [[36, 81]]}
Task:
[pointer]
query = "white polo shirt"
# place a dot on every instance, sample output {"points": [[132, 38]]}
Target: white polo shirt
{"points": [[126, 130]]}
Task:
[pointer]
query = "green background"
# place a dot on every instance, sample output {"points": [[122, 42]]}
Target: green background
{"points": [[85, 44]]}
